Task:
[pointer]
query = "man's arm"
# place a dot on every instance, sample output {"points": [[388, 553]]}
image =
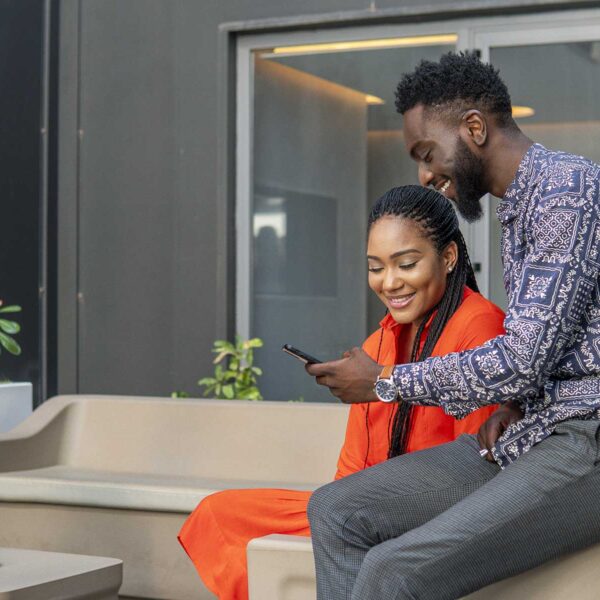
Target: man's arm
{"points": [[558, 277]]}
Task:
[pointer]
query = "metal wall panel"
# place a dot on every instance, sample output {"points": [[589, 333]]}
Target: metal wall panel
{"points": [[149, 176], [127, 197], [22, 202]]}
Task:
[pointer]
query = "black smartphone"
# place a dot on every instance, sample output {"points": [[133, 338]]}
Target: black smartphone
{"points": [[305, 358]]}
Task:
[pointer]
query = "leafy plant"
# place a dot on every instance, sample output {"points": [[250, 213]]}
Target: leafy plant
{"points": [[9, 328], [235, 376]]}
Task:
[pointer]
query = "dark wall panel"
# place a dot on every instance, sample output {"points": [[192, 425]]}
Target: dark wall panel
{"points": [[21, 41], [145, 177], [127, 197]]}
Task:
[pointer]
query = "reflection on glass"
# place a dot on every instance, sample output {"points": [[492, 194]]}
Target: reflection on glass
{"points": [[327, 142], [302, 227], [561, 82]]}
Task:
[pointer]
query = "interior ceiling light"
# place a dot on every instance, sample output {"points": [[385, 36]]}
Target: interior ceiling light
{"points": [[519, 112], [374, 99], [420, 40]]}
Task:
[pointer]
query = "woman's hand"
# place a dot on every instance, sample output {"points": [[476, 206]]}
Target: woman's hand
{"points": [[496, 425], [351, 378]]}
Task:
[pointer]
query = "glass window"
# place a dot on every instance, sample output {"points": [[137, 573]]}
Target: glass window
{"points": [[556, 87], [326, 142], [321, 141]]}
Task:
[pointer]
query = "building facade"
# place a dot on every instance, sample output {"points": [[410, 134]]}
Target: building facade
{"points": [[209, 167]]}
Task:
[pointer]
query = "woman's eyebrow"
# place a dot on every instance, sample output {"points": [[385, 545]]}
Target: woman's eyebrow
{"points": [[403, 252], [397, 254]]}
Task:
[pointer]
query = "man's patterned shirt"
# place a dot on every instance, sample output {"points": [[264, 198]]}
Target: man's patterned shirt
{"points": [[548, 360]]}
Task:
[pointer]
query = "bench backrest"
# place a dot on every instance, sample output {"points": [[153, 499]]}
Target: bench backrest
{"points": [[270, 441]]}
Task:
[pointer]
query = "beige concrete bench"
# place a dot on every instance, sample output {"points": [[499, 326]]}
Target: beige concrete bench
{"points": [[116, 476], [35, 575], [281, 567]]}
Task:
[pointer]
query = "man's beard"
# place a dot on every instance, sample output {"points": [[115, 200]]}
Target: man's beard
{"points": [[468, 182]]}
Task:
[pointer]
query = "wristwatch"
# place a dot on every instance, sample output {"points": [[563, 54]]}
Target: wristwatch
{"points": [[385, 386]]}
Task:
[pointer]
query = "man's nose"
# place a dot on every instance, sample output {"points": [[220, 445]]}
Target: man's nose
{"points": [[425, 175]]}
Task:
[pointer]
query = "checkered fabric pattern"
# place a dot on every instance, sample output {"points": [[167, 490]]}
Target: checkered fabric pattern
{"points": [[443, 522]]}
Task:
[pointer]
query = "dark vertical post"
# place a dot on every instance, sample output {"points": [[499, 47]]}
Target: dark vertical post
{"points": [[22, 252]]}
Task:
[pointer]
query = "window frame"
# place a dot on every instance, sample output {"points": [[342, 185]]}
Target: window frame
{"points": [[478, 33]]}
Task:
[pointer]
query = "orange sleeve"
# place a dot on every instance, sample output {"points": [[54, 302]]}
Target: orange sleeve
{"points": [[480, 328], [354, 450]]}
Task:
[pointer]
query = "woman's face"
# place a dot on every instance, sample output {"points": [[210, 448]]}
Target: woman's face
{"points": [[405, 269]]}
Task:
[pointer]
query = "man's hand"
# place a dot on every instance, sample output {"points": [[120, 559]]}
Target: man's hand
{"points": [[351, 378], [496, 424]]}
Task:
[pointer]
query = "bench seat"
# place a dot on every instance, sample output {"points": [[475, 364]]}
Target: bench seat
{"points": [[281, 567], [115, 489], [117, 475]]}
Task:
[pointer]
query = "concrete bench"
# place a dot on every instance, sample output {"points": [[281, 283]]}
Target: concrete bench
{"points": [[117, 476], [281, 567], [35, 575]]}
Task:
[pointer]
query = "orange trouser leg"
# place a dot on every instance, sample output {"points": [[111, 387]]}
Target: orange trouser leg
{"points": [[216, 534]]}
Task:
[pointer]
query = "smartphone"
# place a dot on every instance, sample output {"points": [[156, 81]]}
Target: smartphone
{"points": [[305, 358]]}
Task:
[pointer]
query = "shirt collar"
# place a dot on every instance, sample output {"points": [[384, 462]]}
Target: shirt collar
{"points": [[518, 190]]}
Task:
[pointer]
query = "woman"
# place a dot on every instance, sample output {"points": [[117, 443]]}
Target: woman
{"points": [[419, 268]]}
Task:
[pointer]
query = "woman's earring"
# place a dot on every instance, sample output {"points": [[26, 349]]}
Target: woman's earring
{"points": [[449, 269]]}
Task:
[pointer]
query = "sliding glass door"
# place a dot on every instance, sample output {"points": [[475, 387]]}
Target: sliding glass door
{"points": [[553, 73], [318, 140], [325, 141]]}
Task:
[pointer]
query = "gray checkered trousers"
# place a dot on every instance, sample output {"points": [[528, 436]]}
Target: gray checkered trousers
{"points": [[443, 522]]}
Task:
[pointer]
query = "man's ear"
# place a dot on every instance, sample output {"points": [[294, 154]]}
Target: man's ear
{"points": [[474, 127]]}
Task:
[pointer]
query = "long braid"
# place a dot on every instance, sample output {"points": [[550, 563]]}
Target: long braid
{"points": [[435, 215]]}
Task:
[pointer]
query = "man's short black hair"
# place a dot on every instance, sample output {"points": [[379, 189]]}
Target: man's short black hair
{"points": [[457, 82]]}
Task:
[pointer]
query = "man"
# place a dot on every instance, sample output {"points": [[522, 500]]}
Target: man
{"points": [[443, 522]]}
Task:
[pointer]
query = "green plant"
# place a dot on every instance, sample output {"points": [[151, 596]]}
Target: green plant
{"points": [[9, 328], [235, 376]]}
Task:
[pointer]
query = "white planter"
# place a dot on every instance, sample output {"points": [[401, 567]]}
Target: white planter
{"points": [[16, 403]]}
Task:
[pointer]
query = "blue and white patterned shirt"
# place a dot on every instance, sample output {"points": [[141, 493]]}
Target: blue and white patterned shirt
{"points": [[548, 360]]}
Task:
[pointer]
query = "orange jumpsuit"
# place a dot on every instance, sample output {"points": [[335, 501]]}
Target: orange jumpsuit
{"points": [[216, 534]]}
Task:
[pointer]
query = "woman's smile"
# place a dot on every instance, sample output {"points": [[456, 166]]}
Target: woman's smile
{"points": [[399, 302]]}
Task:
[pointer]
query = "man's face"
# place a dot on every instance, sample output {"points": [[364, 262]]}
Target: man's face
{"points": [[445, 161]]}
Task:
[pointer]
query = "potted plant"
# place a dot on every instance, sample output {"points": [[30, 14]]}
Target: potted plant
{"points": [[235, 376], [15, 398]]}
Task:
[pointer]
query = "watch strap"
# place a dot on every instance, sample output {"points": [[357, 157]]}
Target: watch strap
{"points": [[386, 372]]}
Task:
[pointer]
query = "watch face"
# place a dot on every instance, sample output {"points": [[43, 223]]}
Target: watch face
{"points": [[386, 391]]}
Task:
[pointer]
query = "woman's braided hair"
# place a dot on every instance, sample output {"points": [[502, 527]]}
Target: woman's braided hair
{"points": [[434, 214]]}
